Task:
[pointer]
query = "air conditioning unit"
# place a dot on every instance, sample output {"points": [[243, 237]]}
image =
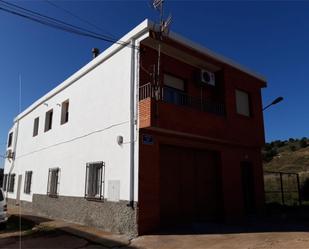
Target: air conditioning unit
{"points": [[207, 78], [9, 154]]}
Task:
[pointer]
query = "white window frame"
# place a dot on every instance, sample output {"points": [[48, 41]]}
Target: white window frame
{"points": [[243, 103]]}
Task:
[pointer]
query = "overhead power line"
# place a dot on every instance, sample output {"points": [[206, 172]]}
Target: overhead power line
{"points": [[56, 23], [77, 17]]}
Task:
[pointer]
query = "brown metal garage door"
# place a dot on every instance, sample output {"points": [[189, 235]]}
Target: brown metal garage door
{"points": [[188, 185]]}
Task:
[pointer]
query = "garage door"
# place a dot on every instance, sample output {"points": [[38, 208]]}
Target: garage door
{"points": [[189, 185]]}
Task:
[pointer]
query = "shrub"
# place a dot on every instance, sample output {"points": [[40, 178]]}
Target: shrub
{"points": [[292, 147], [269, 154], [303, 142]]}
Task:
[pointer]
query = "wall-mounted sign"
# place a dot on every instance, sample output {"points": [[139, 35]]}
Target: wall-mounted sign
{"points": [[148, 139]]}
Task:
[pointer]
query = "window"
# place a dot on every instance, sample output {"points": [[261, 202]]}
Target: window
{"points": [[48, 120], [10, 140], [242, 103], [5, 180], [174, 90], [1, 195], [94, 186], [28, 178], [64, 112], [174, 82], [11, 183], [36, 127], [53, 182]]}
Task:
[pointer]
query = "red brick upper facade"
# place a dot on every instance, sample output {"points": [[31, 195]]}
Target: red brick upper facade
{"points": [[220, 121]]}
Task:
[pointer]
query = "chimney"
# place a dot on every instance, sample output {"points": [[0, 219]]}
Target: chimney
{"points": [[95, 52]]}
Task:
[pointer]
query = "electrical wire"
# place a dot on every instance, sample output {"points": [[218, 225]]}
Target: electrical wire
{"points": [[56, 23], [72, 139], [78, 17]]}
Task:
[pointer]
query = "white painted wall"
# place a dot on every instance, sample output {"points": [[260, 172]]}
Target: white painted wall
{"points": [[99, 112]]}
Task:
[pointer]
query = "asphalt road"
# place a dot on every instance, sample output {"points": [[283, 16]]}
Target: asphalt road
{"points": [[47, 239]]}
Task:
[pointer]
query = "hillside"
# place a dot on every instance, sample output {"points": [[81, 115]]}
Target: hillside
{"points": [[287, 156]]}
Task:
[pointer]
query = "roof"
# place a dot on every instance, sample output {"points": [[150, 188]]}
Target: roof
{"points": [[135, 33]]}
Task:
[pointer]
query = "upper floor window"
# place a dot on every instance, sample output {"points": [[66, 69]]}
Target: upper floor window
{"points": [[174, 90], [48, 120], [242, 103], [65, 112], [174, 82], [10, 140], [36, 126]]}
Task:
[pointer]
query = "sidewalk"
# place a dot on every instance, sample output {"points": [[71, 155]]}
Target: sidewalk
{"points": [[106, 239], [274, 236]]}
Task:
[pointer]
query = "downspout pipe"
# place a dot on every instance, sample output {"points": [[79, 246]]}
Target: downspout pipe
{"points": [[132, 122]]}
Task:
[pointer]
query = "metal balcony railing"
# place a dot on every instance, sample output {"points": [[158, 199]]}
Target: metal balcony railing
{"points": [[172, 96]]}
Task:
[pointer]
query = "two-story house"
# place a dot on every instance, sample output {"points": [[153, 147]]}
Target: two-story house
{"points": [[130, 143]]}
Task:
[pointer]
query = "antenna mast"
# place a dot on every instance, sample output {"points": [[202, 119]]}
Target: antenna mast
{"points": [[163, 29]]}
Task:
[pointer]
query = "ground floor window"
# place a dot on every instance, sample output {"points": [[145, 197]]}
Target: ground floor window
{"points": [[5, 179], [28, 178], [11, 183], [94, 186], [53, 182]]}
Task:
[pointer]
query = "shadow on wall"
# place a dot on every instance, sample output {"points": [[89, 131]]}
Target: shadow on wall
{"points": [[274, 219]]}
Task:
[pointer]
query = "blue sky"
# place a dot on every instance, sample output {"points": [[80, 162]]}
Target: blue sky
{"points": [[271, 38]]}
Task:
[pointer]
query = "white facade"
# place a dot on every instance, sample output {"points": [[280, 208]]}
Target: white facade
{"points": [[102, 106]]}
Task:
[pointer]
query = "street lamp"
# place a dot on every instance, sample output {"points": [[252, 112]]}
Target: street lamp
{"points": [[276, 101]]}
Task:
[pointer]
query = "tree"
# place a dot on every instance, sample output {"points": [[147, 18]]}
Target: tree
{"points": [[303, 142], [269, 155], [292, 147]]}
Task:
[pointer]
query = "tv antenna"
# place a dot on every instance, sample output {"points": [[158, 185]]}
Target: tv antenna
{"points": [[163, 30]]}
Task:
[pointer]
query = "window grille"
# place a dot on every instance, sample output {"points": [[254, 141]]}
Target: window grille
{"points": [[94, 186], [11, 183], [53, 182], [28, 179], [5, 180]]}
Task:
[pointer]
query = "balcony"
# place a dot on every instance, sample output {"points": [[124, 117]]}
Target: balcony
{"points": [[173, 96]]}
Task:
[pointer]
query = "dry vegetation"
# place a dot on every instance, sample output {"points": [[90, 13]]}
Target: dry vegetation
{"points": [[287, 156]]}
